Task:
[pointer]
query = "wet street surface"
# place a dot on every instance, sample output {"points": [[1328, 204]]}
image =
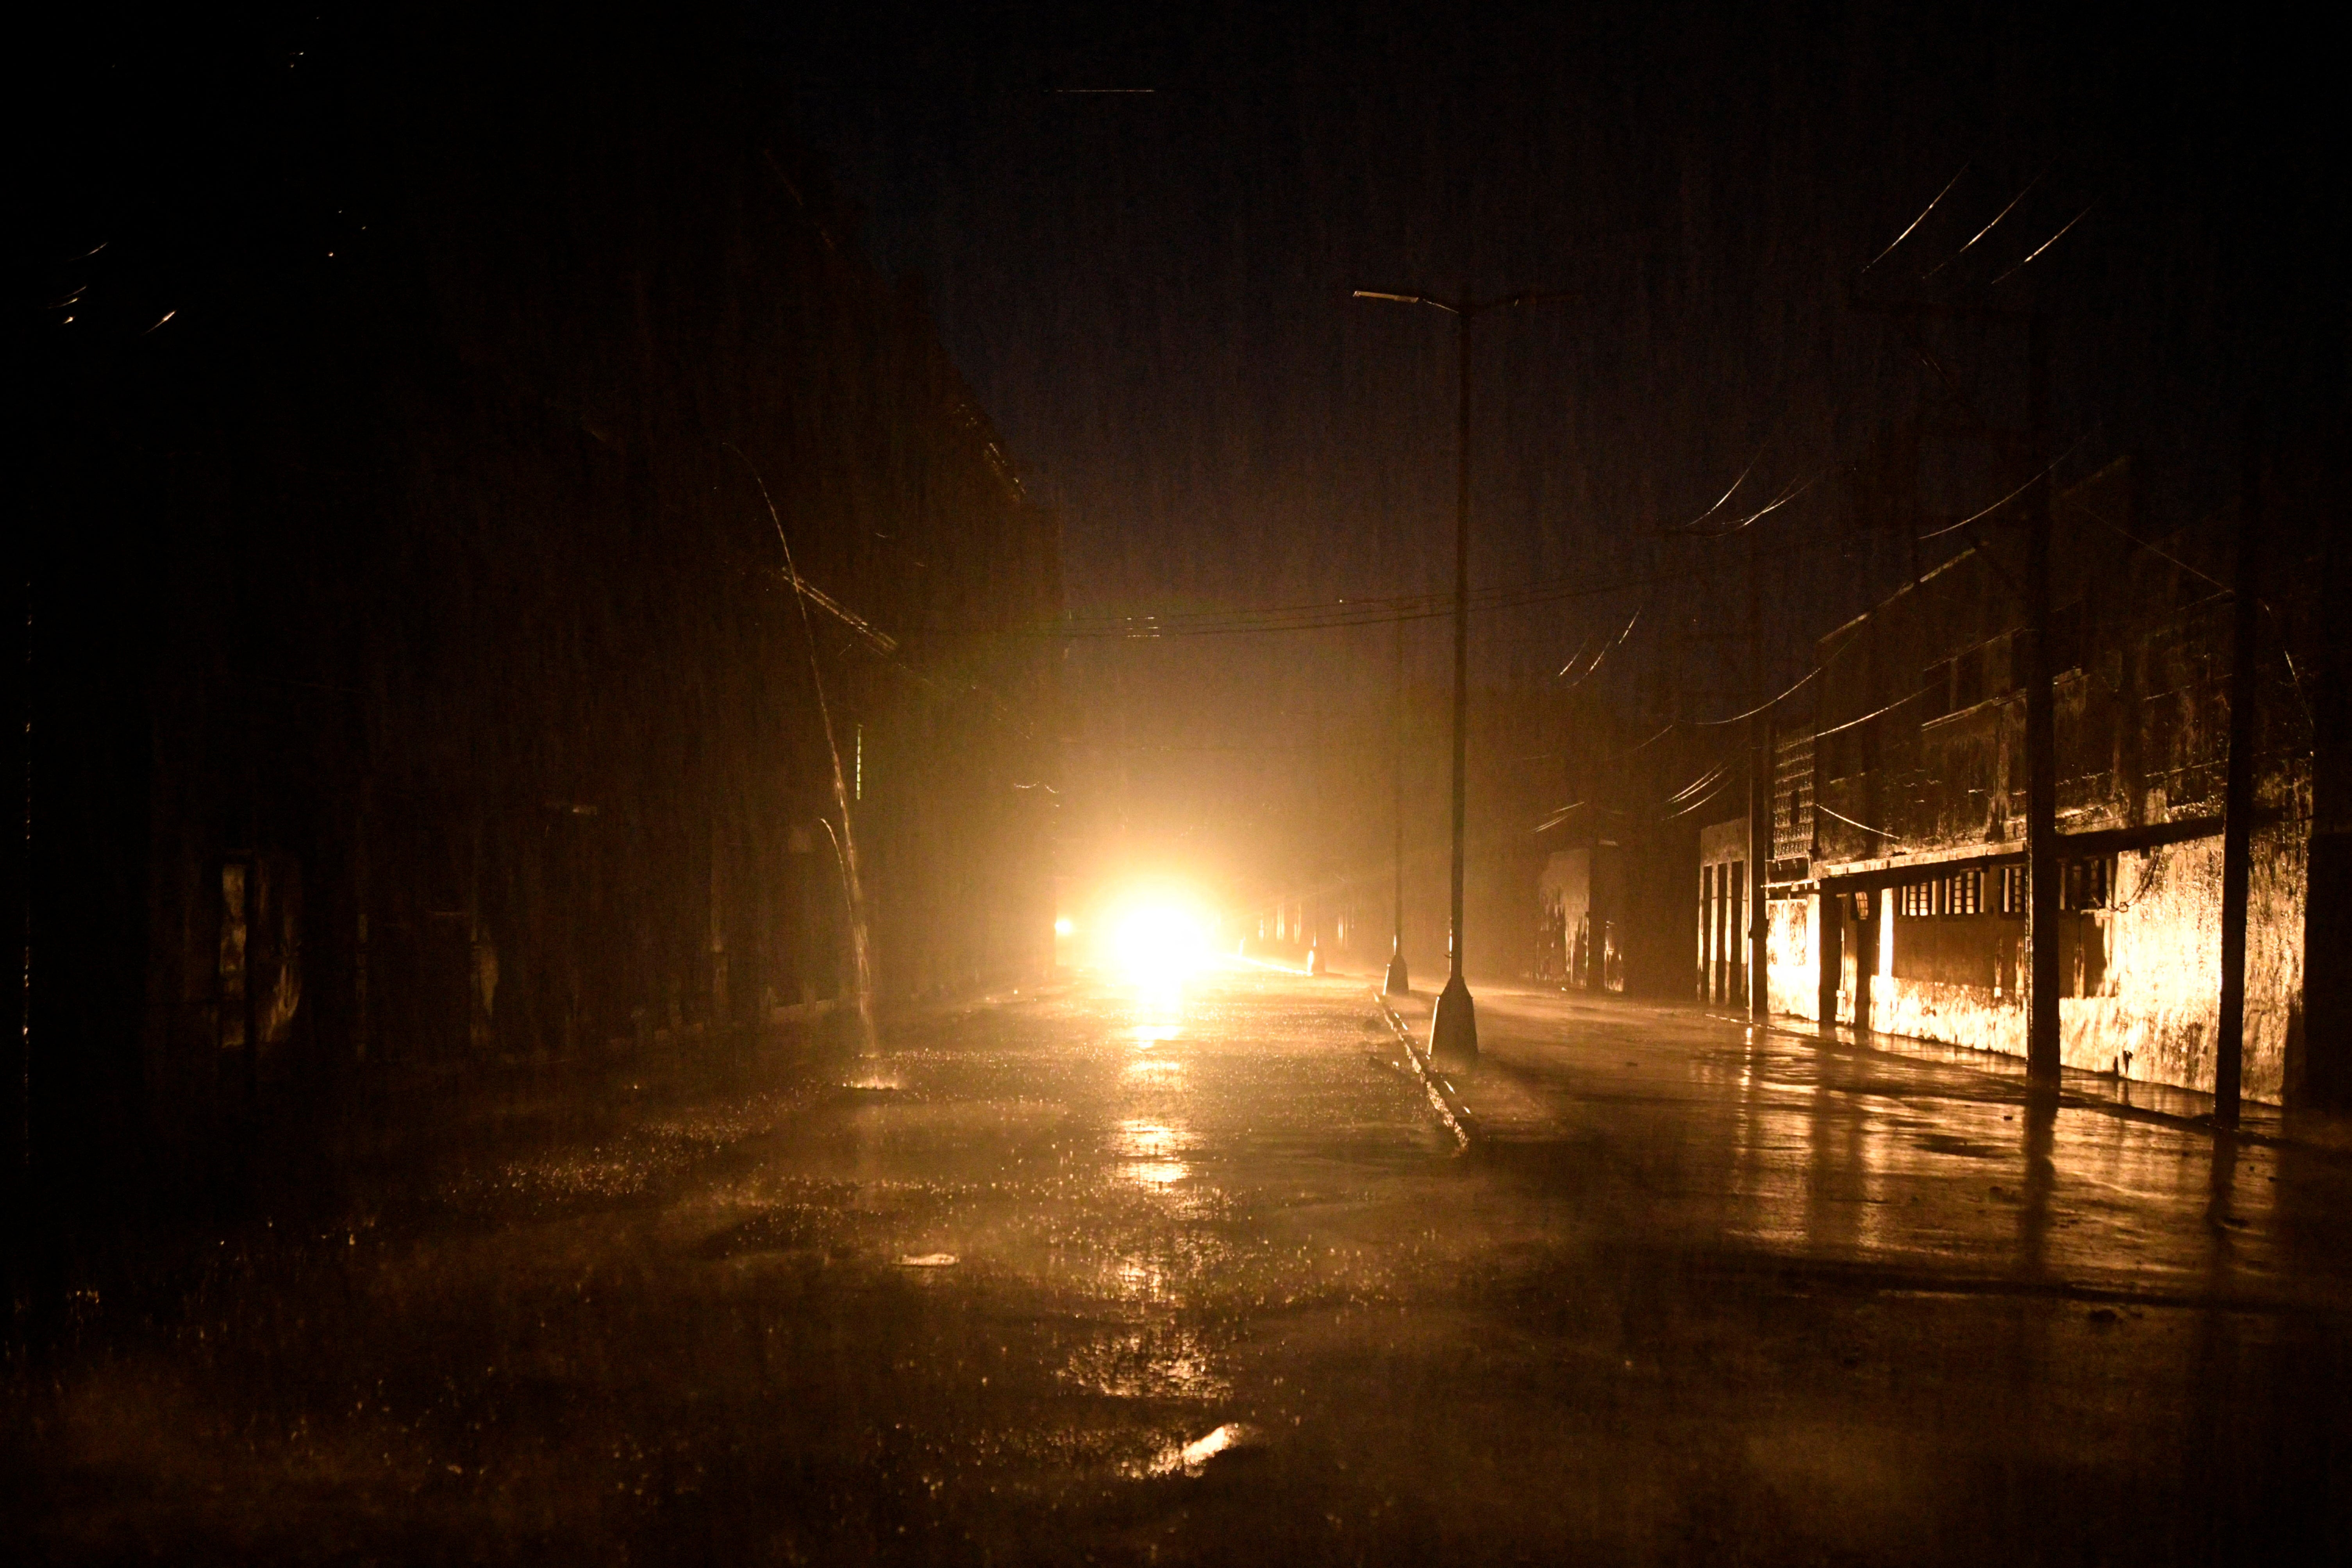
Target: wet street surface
{"points": [[1109, 1273]]}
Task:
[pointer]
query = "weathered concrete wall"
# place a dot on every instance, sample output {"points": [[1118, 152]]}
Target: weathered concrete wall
{"points": [[1582, 896], [2150, 964], [2154, 1014], [1919, 759], [1793, 955], [1970, 1015]]}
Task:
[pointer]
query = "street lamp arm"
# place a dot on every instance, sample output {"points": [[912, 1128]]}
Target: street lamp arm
{"points": [[1407, 300]]}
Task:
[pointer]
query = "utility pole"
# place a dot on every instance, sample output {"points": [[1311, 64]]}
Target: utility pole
{"points": [[2040, 740], [2238, 808], [2042, 911], [1399, 982], [1454, 1028], [1760, 795]]}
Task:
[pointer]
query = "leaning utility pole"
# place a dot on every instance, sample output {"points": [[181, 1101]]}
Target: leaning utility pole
{"points": [[1454, 1028]]}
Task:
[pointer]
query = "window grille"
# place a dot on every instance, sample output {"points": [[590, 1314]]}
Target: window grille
{"points": [[2088, 883]]}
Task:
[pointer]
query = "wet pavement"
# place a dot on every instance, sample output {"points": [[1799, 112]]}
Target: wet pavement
{"points": [[1110, 1273]]}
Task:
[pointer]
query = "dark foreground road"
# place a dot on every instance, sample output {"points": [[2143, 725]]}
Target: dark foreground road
{"points": [[1105, 1276]]}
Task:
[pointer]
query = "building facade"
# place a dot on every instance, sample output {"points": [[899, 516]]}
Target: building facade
{"points": [[1897, 887]]}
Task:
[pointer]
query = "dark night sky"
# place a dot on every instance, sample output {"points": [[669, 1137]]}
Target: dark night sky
{"points": [[1148, 291]]}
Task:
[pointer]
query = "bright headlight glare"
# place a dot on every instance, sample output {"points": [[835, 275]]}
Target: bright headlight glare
{"points": [[1158, 942]]}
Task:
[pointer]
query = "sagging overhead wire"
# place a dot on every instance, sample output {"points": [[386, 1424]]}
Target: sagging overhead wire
{"points": [[1850, 821], [1760, 707], [1693, 796], [1716, 788], [1726, 496], [2029, 484], [1557, 817], [1606, 648], [2045, 244], [1789, 492], [1989, 227], [1699, 784], [1866, 718], [1915, 222]]}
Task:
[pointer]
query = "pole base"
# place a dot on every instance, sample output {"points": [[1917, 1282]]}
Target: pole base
{"points": [[1453, 1029], [1315, 961], [1398, 984]]}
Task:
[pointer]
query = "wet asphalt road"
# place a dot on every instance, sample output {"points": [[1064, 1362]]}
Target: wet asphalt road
{"points": [[1119, 1275]]}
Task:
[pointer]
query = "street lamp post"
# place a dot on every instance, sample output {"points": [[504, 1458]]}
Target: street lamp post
{"points": [[1398, 982], [1454, 1028]]}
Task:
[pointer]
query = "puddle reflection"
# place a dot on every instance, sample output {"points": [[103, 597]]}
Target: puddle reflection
{"points": [[1149, 1151], [1825, 1150]]}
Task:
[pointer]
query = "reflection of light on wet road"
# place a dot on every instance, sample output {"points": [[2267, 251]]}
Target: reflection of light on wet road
{"points": [[1160, 999], [1192, 1456], [1144, 1141], [1139, 1278], [1147, 1150], [1886, 1149], [1153, 1363]]}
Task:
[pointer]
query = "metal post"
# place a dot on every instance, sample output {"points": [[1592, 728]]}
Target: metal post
{"points": [[2238, 811], [2041, 756], [1453, 1029], [1399, 982]]}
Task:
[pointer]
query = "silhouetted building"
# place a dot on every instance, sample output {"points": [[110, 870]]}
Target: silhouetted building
{"points": [[419, 681]]}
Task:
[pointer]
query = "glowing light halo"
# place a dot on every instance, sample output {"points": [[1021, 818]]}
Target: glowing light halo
{"points": [[1158, 938]]}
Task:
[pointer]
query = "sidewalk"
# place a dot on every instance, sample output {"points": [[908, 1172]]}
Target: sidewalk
{"points": [[1911, 1156], [2078, 1089]]}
